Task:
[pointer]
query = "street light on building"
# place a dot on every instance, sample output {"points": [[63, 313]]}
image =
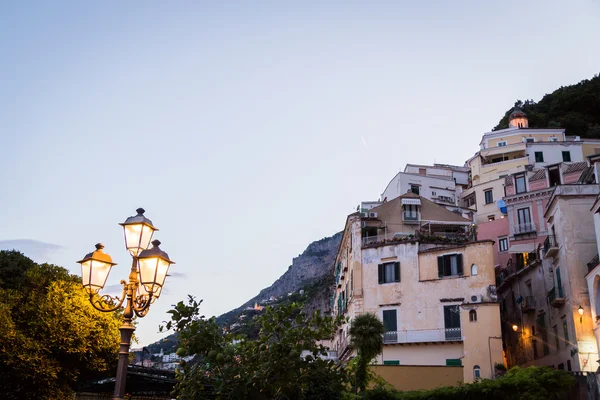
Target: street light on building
{"points": [[149, 270]]}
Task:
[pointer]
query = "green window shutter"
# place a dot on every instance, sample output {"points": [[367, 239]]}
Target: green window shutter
{"points": [[453, 362], [397, 272], [391, 362], [440, 266], [381, 271]]}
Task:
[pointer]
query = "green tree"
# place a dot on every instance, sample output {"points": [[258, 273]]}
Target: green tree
{"points": [[51, 337], [575, 108], [270, 367], [366, 336]]}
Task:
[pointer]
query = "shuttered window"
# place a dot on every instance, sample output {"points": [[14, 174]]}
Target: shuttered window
{"points": [[390, 320], [450, 265], [389, 272], [453, 362], [391, 362]]}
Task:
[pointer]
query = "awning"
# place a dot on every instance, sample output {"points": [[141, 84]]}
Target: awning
{"points": [[522, 248], [416, 202]]}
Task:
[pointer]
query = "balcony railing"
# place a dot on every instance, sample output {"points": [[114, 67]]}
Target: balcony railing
{"points": [[593, 263], [384, 237], [550, 246], [520, 229], [528, 304], [556, 297], [423, 336]]}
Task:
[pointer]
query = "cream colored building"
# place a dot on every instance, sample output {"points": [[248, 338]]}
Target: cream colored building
{"points": [[569, 217], [414, 264]]}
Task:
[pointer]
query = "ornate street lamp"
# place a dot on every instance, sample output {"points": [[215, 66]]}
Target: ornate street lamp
{"points": [[149, 270]]}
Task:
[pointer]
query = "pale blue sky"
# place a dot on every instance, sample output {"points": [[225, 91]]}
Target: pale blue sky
{"points": [[238, 126]]}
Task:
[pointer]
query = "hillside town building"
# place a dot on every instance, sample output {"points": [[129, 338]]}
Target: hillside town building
{"points": [[492, 263], [417, 266]]}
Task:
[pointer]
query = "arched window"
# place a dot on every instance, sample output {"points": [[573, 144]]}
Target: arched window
{"points": [[473, 316], [473, 269], [476, 372]]}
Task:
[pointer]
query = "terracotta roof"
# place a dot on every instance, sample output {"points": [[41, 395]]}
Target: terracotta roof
{"points": [[538, 175], [576, 167]]}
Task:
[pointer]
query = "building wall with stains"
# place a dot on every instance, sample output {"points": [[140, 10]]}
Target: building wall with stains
{"points": [[420, 297], [569, 213]]}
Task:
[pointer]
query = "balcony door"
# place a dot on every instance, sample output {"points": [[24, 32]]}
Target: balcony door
{"points": [[452, 322], [390, 323], [524, 217]]}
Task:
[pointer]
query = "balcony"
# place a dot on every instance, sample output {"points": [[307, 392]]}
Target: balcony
{"points": [[550, 246], [556, 297], [387, 237], [593, 263], [521, 229], [528, 305], [423, 336]]}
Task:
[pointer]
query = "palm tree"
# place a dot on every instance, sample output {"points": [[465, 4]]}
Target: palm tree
{"points": [[366, 336]]}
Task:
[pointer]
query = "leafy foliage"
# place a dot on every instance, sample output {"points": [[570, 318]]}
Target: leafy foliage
{"points": [[575, 108], [50, 336], [532, 383], [366, 333], [270, 367]]}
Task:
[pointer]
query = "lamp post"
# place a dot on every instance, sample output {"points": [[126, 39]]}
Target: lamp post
{"points": [[149, 269]]}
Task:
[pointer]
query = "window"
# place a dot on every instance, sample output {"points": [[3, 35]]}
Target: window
{"points": [[529, 140], [553, 176], [521, 186], [389, 272], [491, 218], [473, 269], [532, 330], [566, 156], [422, 171], [411, 212], [565, 331], [476, 372], [489, 196], [391, 362], [561, 366], [503, 244], [535, 349], [351, 282], [524, 216], [539, 156], [452, 322], [556, 341], [568, 365], [453, 362], [450, 265], [390, 320], [472, 316], [470, 201], [414, 189], [433, 193], [502, 143]]}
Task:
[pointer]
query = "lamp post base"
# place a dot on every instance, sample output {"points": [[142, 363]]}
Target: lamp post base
{"points": [[126, 332]]}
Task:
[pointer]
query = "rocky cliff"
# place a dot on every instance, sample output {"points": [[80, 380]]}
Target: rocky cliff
{"points": [[312, 268], [312, 271]]}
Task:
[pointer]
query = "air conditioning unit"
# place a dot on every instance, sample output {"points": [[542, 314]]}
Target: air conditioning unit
{"points": [[476, 298], [372, 215], [364, 215]]}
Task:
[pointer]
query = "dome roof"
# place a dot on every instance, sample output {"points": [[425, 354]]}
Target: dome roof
{"points": [[517, 112]]}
